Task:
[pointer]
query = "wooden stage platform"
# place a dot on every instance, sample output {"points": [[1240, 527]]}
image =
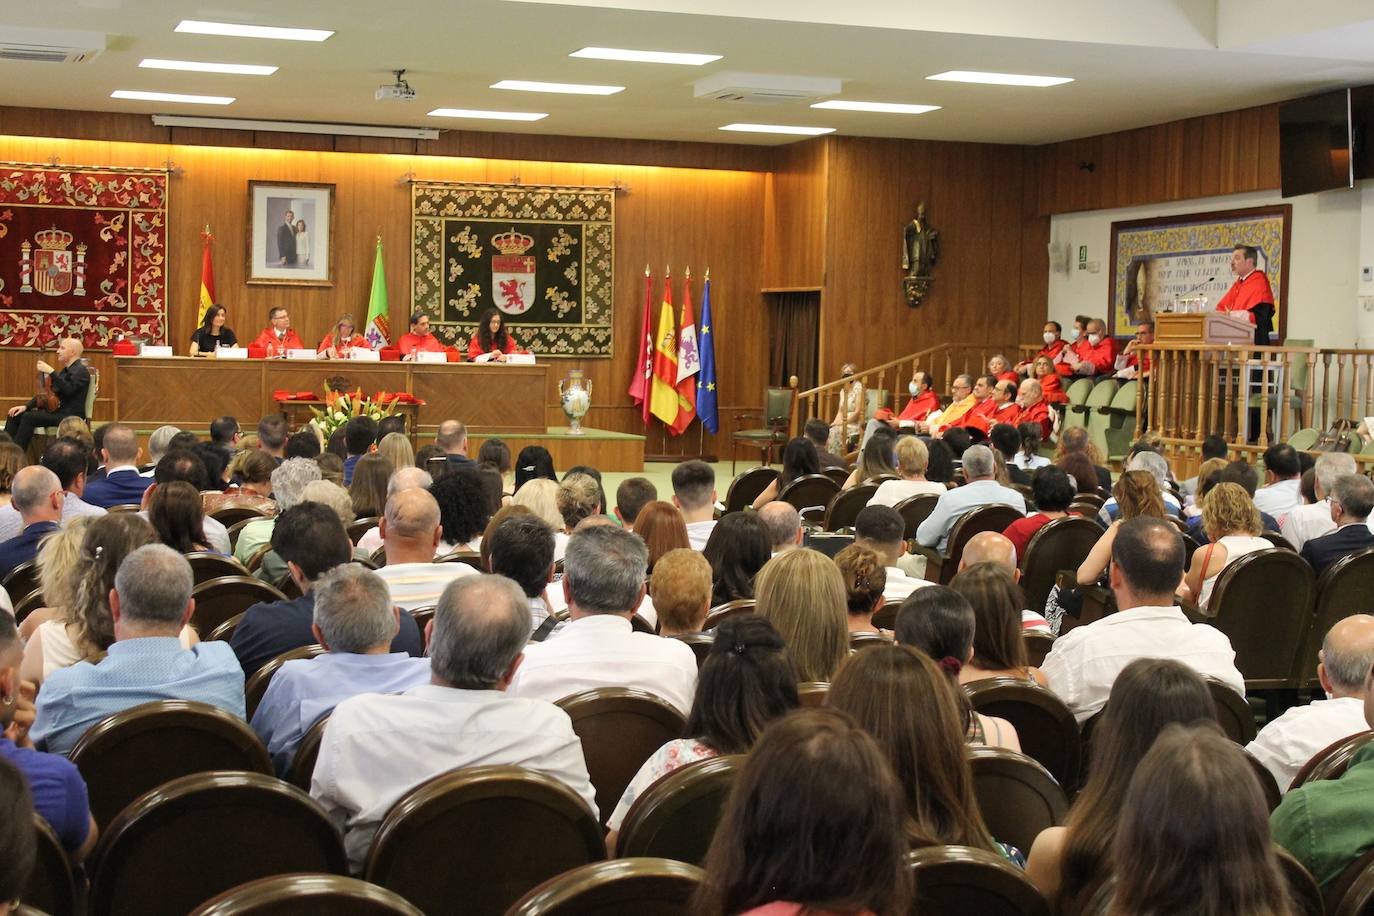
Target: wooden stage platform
{"points": [[601, 448]]}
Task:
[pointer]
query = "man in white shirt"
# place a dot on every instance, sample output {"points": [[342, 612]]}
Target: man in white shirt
{"points": [[784, 525], [603, 583], [1294, 738], [1303, 523], [404, 479], [694, 493], [994, 547], [376, 748], [410, 534], [1147, 566], [880, 529], [1283, 478], [981, 489]]}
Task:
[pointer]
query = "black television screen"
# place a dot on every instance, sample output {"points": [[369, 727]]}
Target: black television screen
{"points": [[1315, 143]]}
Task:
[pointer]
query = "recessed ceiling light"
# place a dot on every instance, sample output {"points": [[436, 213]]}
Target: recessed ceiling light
{"points": [[488, 115], [646, 57], [154, 63], [139, 96], [236, 30], [779, 129], [884, 107], [570, 88], [1000, 79]]}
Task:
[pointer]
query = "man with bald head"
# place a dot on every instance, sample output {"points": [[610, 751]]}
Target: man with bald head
{"points": [[784, 525], [37, 495], [452, 437], [405, 479], [1034, 408], [410, 534], [70, 383], [1343, 666], [995, 547]]}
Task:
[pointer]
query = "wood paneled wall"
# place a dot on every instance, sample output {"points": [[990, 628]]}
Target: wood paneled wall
{"points": [[796, 204]]}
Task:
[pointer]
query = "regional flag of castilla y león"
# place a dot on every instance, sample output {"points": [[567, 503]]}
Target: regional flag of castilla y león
{"points": [[688, 364]]}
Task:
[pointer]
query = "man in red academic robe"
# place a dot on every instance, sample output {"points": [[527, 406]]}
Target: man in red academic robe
{"points": [[419, 339], [924, 400], [1250, 293], [1032, 408], [1055, 345], [1132, 363], [1003, 409], [278, 337], [1096, 353]]}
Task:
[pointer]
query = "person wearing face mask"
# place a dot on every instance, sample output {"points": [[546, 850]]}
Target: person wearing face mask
{"points": [[1096, 354], [962, 400], [1054, 345], [1250, 293], [924, 402], [844, 429]]}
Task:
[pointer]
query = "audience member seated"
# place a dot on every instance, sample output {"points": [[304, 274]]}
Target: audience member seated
{"points": [[1069, 862], [961, 401], [68, 459], [378, 747], [660, 526], [799, 459], [1282, 477], [59, 792], [815, 789], [976, 417], [747, 681], [1055, 345], [150, 604], [452, 439], [903, 699], [18, 840], [540, 495], [633, 494], [1207, 477], [11, 460], [1135, 495], [1053, 492], [864, 580], [464, 509], [1029, 458], [187, 466], [737, 549], [875, 459], [121, 483], [533, 462], [1146, 568], [980, 490], [367, 487], [783, 522], [272, 569], [1169, 860], [845, 429], [1005, 441], [1237, 472], [603, 584], [923, 402], [410, 536], [1095, 353], [1078, 457], [396, 448], [252, 468], [59, 571], [912, 459], [1288, 742], [356, 623], [817, 432], [1158, 468], [360, 436], [681, 589], [1034, 408], [940, 468], [311, 539], [881, 529], [1000, 368], [1213, 446], [403, 479], [1130, 363], [288, 482], [159, 444], [999, 649], [303, 444], [578, 497], [175, 513], [991, 547], [1233, 526], [272, 437], [802, 594], [520, 548], [694, 493], [1351, 501], [1308, 521], [37, 497]]}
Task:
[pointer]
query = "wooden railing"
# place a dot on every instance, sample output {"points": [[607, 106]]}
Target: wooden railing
{"points": [[942, 362]]}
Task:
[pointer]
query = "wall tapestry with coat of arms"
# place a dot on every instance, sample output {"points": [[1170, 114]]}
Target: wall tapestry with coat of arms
{"points": [[543, 256], [83, 252]]}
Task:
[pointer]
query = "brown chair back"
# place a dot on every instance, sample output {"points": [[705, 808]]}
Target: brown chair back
{"points": [[859, 641], [307, 895], [1303, 890], [1038, 646], [1234, 715], [359, 527], [813, 693], [1331, 761], [964, 881], [1017, 796], [1047, 728], [51, 887], [232, 515], [207, 565], [839, 475], [620, 728], [810, 493], [1269, 786], [28, 604], [645, 887], [1352, 894], [288, 587], [502, 831], [21, 580], [728, 609], [131, 752], [255, 559], [227, 596], [256, 686], [126, 507], [746, 488], [470, 557], [914, 510], [1278, 540], [233, 530], [201, 835], [307, 752], [975, 521], [1344, 588], [225, 631], [676, 817], [1267, 644], [845, 506], [699, 643], [422, 617], [1062, 544]]}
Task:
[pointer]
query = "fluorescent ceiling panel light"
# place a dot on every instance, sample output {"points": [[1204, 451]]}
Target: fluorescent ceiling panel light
{"points": [[200, 27], [1000, 79], [153, 63], [646, 57], [569, 88], [779, 129], [488, 115], [297, 127], [138, 96], [883, 107]]}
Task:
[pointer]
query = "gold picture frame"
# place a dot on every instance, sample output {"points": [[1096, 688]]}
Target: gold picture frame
{"points": [[295, 253]]}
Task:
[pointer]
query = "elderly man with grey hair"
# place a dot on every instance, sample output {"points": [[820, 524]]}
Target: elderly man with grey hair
{"points": [[150, 603], [288, 486], [356, 622], [1352, 501], [159, 443], [1158, 466], [1289, 741], [37, 495], [404, 479], [1305, 522], [784, 525], [603, 584], [377, 747], [980, 489]]}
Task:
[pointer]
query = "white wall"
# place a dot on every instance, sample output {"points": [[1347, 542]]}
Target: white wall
{"points": [[1332, 236]]}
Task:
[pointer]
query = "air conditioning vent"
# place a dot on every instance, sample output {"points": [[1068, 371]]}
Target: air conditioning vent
{"points": [[49, 46], [765, 89]]}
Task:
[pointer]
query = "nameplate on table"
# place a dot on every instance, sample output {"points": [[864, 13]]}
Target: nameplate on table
{"points": [[151, 350], [520, 359], [231, 353], [361, 355], [431, 356], [304, 353]]}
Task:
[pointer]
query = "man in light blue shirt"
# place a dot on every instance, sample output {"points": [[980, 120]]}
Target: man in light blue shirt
{"points": [[981, 489], [150, 603], [355, 620]]}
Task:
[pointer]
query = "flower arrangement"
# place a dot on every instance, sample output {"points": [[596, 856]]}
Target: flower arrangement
{"points": [[342, 406]]}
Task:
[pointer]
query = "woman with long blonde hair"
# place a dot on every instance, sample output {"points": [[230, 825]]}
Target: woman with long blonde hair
{"points": [[1232, 521], [802, 594], [1137, 493]]}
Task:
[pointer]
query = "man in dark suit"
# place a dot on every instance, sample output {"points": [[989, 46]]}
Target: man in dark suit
{"points": [[122, 483], [1352, 499], [70, 383], [38, 497], [286, 240]]}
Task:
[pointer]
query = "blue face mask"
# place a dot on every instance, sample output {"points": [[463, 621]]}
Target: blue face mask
{"points": [[1073, 335], [911, 386]]}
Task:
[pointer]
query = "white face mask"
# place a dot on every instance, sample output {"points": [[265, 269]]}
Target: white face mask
{"points": [[1073, 335], [1094, 339], [911, 386], [1049, 337]]}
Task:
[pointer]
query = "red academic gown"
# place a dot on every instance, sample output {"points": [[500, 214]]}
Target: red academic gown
{"points": [[1102, 356], [987, 415], [1039, 412], [409, 343], [274, 347], [1053, 390], [920, 407], [475, 347], [1247, 293], [357, 340], [1133, 362], [1008, 376], [1053, 351]]}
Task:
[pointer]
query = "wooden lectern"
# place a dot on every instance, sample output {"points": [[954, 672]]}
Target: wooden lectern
{"points": [[1204, 328]]}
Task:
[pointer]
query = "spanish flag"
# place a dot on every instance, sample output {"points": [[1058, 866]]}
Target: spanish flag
{"points": [[207, 278], [663, 401]]}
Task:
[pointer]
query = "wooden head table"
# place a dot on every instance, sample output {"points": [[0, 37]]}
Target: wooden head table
{"points": [[190, 392]]}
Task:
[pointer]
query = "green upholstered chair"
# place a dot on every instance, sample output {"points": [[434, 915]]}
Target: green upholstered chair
{"points": [[1121, 416], [772, 434]]}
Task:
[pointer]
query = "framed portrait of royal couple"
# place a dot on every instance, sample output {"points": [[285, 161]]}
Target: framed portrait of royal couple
{"points": [[291, 234]]}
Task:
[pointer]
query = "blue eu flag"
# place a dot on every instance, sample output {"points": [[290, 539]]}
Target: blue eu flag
{"points": [[706, 379]]}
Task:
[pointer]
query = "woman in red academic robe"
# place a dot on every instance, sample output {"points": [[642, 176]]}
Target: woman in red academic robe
{"points": [[1050, 384], [491, 338], [339, 341]]}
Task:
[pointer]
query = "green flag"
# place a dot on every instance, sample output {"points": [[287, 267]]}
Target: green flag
{"points": [[378, 331]]}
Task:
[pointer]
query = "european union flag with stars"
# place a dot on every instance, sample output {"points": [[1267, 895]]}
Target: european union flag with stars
{"points": [[706, 380]]}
